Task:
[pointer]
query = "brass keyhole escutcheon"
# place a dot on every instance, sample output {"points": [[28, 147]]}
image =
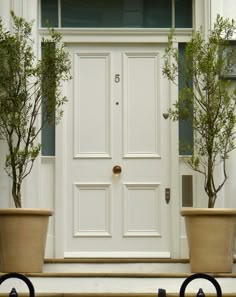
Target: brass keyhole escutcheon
{"points": [[117, 170]]}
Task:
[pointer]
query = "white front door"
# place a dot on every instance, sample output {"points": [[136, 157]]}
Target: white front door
{"points": [[116, 100]]}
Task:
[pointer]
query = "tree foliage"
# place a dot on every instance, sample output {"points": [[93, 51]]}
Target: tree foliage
{"points": [[27, 86], [208, 97]]}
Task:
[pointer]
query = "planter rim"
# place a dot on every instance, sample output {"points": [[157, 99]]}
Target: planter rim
{"points": [[188, 211], [26, 211]]}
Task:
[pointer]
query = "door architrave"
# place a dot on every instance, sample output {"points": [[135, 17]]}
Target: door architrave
{"points": [[140, 37]]}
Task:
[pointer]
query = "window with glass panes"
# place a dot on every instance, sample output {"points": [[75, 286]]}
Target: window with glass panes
{"points": [[117, 13], [185, 126]]}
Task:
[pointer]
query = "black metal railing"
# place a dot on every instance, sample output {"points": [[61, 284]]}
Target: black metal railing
{"points": [[22, 277], [200, 293]]}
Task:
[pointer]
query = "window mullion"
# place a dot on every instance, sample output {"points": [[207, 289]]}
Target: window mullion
{"points": [[173, 13], [59, 13]]}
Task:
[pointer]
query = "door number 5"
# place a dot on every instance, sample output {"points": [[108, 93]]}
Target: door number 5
{"points": [[117, 78]]}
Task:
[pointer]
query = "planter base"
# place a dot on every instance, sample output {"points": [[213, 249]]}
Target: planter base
{"points": [[23, 235], [211, 236]]}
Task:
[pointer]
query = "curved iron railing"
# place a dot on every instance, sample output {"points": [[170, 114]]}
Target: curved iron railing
{"points": [[200, 293], [22, 277]]}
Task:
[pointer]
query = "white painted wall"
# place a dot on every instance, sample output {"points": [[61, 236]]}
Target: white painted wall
{"points": [[38, 188], [227, 8]]}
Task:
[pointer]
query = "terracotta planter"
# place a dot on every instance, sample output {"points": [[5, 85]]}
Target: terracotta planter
{"points": [[23, 235], [211, 235]]}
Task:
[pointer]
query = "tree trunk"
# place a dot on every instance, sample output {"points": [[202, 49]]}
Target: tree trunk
{"points": [[16, 194]]}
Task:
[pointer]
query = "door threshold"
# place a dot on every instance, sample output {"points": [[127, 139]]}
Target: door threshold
{"points": [[115, 260], [165, 255]]}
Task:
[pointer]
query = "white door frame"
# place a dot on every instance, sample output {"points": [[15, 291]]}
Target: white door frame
{"points": [[116, 36]]}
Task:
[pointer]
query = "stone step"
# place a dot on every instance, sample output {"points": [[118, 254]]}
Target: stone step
{"points": [[117, 266], [119, 284], [114, 278]]}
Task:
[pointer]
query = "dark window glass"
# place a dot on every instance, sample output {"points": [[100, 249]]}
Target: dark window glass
{"points": [[48, 130], [48, 140], [185, 126], [116, 13], [49, 13], [157, 14], [183, 14]]}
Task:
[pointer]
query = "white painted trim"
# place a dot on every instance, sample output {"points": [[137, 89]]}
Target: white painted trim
{"points": [[5, 8], [207, 14], [28, 10], [174, 179], [119, 35], [60, 179], [59, 13], [117, 31], [60, 205], [117, 255], [47, 159]]}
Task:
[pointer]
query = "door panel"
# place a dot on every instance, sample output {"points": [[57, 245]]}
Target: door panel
{"points": [[99, 197], [92, 130], [141, 105], [142, 215], [114, 118]]}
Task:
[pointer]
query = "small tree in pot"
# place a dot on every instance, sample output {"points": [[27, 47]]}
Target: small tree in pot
{"points": [[30, 99], [206, 97], [26, 87], [210, 100]]}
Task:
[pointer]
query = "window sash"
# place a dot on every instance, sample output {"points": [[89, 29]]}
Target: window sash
{"points": [[135, 15]]}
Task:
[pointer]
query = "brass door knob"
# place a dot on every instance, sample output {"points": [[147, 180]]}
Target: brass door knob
{"points": [[117, 170]]}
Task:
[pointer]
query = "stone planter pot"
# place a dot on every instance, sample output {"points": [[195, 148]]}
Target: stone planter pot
{"points": [[211, 236], [23, 235]]}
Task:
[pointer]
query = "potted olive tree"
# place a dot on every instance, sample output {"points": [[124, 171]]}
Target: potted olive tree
{"points": [[30, 98], [209, 99]]}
